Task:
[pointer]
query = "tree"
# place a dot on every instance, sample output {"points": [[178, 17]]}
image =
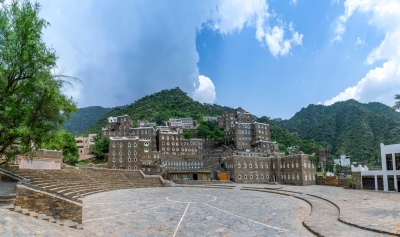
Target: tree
{"points": [[397, 104], [101, 146], [63, 140], [31, 102], [217, 135]]}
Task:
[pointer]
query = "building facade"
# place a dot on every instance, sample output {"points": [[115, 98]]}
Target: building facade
{"points": [[387, 179], [251, 167], [85, 146]]}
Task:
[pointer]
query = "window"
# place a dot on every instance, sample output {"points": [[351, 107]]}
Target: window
{"points": [[120, 160], [134, 144], [146, 149], [113, 153], [120, 153], [250, 166], [129, 144], [389, 163], [245, 176], [262, 176], [397, 160], [129, 159], [113, 145], [120, 144], [113, 159]]}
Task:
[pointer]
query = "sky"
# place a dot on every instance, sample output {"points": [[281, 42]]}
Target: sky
{"points": [[270, 57]]}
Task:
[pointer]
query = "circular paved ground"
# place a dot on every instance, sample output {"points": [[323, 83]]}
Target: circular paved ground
{"points": [[194, 212]]}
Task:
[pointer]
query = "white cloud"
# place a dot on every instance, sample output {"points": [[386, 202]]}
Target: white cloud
{"points": [[293, 2], [205, 92], [136, 53], [381, 83], [359, 41], [335, 2]]}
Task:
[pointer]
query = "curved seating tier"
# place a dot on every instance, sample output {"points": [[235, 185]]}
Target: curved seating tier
{"points": [[76, 183]]}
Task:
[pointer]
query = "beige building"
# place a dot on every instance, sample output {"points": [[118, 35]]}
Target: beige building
{"points": [[85, 146], [41, 159]]}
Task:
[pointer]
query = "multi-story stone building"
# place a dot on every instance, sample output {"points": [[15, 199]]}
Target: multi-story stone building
{"points": [[251, 167], [145, 123], [117, 126]]}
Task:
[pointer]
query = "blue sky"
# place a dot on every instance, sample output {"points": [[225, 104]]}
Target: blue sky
{"points": [[269, 57]]}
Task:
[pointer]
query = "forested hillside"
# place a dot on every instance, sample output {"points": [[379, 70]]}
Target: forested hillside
{"points": [[84, 118], [348, 127], [161, 106]]}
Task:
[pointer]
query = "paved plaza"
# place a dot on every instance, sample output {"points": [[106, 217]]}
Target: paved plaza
{"points": [[237, 210]]}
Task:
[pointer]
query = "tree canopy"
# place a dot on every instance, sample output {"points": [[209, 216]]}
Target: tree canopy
{"points": [[63, 140], [397, 104], [31, 101]]}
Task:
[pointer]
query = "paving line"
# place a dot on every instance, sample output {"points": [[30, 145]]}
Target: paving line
{"points": [[269, 226], [125, 214], [176, 230], [100, 203], [182, 190]]}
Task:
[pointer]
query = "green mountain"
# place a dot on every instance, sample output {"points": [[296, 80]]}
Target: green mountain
{"points": [[348, 127], [84, 118], [161, 106]]}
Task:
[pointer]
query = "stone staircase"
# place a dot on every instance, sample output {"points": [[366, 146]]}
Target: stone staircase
{"points": [[66, 223]]}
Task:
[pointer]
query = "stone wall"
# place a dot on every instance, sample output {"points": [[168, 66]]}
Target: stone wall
{"points": [[356, 180], [46, 203]]}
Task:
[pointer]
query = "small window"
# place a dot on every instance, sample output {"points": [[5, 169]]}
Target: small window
{"points": [[129, 160], [120, 144], [129, 144], [120, 160], [135, 159], [134, 144]]}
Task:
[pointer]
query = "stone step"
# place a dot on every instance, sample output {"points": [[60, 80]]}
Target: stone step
{"points": [[33, 214], [9, 206], [25, 211], [17, 209], [52, 220], [43, 217]]}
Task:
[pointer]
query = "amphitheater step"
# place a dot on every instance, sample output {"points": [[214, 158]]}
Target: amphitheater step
{"points": [[43, 217], [25, 211], [17, 209], [33, 214], [52, 220]]}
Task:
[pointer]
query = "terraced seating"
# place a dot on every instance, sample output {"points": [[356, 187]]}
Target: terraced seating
{"points": [[77, 183]]}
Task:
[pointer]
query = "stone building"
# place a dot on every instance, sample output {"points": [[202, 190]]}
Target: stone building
{"points": [[117, 126], [40, 159], [210, 118], [183, 123], [251, 167], [145, 123], [324, 158]]}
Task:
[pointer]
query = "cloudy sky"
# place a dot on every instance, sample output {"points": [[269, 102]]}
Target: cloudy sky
{"points": [[270, 57]]}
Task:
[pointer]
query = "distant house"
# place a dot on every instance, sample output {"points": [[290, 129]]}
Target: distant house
{"points": [[343, 161], [40, 159], [85, 146], [209, 118]]}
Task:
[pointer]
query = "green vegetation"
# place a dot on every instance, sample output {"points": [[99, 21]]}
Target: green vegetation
{"points": [[285, 139], [397, 104], [31, 101], [100, 147], [161, 106], [63, 140], [84, 118], [348, 127]]}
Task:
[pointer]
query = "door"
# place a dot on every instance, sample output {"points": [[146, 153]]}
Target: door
{"points": [[223, 176], [194, 176]]}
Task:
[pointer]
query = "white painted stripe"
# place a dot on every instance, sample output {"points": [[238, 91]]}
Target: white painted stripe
{"points": [[269, 226], [125, 214], [176, 230], [183, 191]]}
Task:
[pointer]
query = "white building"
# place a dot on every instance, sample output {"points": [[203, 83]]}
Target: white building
{"points": [[343, 161], [387, 179]]}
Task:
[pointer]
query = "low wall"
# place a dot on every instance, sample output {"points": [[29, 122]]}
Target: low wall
{"points": [[46, 203]]}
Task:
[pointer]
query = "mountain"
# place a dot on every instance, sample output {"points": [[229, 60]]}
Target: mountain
{"points": [[84, 118], [161, 106], [348, 127]]}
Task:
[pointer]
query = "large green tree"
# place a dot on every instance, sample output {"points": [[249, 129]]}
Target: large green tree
{"points": [[31, 101], [101, 147], [64, 140]]}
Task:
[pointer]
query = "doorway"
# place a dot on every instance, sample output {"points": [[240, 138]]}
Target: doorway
{"points": [[194, 176], [274, 177]]}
